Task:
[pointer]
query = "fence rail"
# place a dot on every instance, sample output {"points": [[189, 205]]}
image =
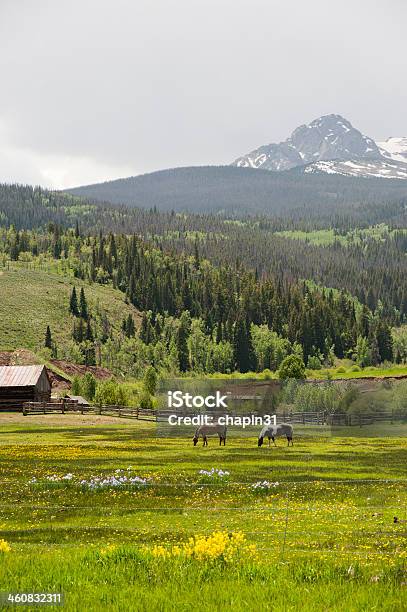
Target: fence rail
{"points": [[54, 406], [64, 406], [142, 414]]}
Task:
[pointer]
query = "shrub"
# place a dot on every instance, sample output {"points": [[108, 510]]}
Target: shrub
{"points": [[85, 386], [150, 381], [76, 386], [146, 401], [110, 393], [314, 363], [88, 386], [355, 368], [292, 367]]}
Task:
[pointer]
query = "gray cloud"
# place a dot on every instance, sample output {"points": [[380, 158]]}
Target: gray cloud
{"points": [[94, 89]]}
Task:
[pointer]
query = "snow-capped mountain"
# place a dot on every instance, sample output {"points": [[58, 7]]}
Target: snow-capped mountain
{"points": [[332, 145]]}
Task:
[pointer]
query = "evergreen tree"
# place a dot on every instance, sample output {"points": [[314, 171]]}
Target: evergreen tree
{"points": [[384, 341], [89, 332], [146, 329], [128, 326], [182, 342], [364, 322], [56, 247], [48, 338], [73, 303], [374, 352], [89, 354], [83, 306], [79, 332], [243, 349]]}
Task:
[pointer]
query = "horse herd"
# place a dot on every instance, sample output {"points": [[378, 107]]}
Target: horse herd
{"points": [[269, 431]]}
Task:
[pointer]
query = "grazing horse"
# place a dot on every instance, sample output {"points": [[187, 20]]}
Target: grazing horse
{"points": [[210, 430], [272, 431]]}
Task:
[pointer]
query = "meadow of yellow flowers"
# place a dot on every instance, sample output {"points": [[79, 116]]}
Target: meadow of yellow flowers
{"points": [[117, 519]]}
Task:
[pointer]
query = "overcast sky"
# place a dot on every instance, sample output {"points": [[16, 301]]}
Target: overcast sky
{"points": [[94, 89]]}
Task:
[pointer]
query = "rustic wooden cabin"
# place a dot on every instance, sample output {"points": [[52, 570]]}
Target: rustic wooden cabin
{"points": [[19, 384]]}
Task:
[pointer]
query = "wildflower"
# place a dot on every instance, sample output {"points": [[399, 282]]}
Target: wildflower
{"points": [[4, 546], [220, 545], [160, 551], [96, 483], [214, 474], [264, 486], [109, 548]]}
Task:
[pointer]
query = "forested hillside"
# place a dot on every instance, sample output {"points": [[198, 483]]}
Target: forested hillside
{"points": [[196, 316], [216, 295], [368, 265], [237, 191]]}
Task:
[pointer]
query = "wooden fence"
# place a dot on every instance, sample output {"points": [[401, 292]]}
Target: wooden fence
{"points": [[340, 418], [54, 406], [64, 406], [320, 418], [142, 414]]}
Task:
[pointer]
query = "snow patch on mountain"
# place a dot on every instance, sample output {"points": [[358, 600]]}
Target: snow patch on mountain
{"points": [[394, 148], [360, 168]]}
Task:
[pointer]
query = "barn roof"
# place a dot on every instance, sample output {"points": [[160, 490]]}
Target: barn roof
{"points": [[78, 398], [20, 376]]}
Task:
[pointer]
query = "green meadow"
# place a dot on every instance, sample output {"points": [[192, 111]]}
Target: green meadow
{"points": [[319, 536]]}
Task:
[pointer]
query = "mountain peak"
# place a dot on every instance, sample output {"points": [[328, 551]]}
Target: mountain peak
{"points": [[329, 137]]}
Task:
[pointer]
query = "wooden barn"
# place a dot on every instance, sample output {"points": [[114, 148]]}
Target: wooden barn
{"points": [[19, 384]]}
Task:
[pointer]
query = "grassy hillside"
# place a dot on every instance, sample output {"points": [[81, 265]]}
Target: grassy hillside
{"points": [[32, 299]]}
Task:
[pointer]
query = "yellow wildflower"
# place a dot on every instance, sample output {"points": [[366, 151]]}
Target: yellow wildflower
{"points": [[4, 546]]}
